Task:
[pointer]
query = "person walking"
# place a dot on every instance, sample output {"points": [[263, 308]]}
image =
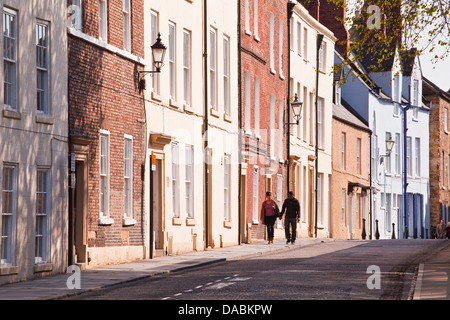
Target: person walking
{"points": [[292, 208], [441, 230], [269, 213]]}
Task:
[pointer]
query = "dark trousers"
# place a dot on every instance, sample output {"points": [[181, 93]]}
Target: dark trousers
{"points": [[290, 223], [270, 223]]}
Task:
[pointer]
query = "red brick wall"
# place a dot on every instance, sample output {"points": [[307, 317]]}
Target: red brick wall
{"points": [[103, 94], [439, 142], [255, 58]]}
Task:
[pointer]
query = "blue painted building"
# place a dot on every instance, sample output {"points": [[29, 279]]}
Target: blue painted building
{"points": [[389, 101]]}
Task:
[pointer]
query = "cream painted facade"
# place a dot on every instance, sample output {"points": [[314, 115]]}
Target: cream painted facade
{"points": [[33, 143], [187, 213], [303, 34]]}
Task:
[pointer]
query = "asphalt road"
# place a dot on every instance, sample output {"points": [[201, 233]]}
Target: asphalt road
{"points": [[340, 270]]}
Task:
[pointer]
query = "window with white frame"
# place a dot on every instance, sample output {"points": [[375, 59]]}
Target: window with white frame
{"points": [[42, 65], [272, 126], [388, 212], [257, 106], [320, 128], [299, 38], [77, 15], [175, 181], [343, 200], [126, 14], [213, 68], [358, 155], [409, 155], [128, 177], [445, 119], [280, 48], [226, 186], [9, 207], [343, 146], [189, 181], [397, 153], [10, 59], [388, 159], [187, 67], [417, 157], [305, 113], [103, 20], [104, 174], [42, 234], [247, 91], [154, 29], [172, 61], [255, 194], [255, 20], [319, 198], [226, 74], [322, 56], [280, 128], [305, 43], [247, 16], [272, 42]]}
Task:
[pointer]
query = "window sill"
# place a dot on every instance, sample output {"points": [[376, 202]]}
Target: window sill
{"points": [[227, 118], [128, 222], [257, 39], [45, 119], [174, 104], [7, 271], [12, 114], [214, 112], [177, 221], [190, 222], [42, 267], [156, 96], [104, 221], [188, 108], [227, 224]]}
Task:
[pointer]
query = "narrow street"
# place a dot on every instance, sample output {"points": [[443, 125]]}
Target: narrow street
{"points": [[340, 270]]}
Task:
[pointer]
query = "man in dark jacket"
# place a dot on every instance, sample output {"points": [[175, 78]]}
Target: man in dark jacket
{"points": [[292, 208]]}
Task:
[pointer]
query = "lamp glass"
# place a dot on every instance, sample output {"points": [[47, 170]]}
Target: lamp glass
{"points": [[296, 106], [158, 53], [389, 144]]}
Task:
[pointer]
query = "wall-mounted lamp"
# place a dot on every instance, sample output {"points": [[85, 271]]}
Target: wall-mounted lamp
{"points": [[296, 106], [389, 146], [158, 53]]}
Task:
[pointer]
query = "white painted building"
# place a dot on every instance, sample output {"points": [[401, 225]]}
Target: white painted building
{"points": [[303, 34], [193, 204], [33, 140]]}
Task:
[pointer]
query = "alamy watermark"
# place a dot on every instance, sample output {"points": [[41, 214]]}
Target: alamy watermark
{"points": [[74, 280], [374, 280]]}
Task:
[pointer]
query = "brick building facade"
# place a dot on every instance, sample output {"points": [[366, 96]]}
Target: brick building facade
{"points": [[439, 103], [107, 131], [264, 69]]}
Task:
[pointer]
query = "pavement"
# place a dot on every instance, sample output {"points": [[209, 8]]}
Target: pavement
{"points": [[70, 284], [432, 281], [432, 277]]}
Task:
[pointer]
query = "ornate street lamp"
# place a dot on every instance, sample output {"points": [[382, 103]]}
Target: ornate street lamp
{"points": [[158, 53]]}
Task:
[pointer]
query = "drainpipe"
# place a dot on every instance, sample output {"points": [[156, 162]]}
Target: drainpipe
{"points": [[290, 8], [370, 184], [405, 172], [205, 121], [319, 43], [239, 124]]}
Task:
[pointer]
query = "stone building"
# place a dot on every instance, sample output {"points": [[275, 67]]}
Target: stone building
{"points": [[33, 140]]}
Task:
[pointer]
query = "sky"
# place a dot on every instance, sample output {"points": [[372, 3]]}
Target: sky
{"points": [[437, 72]]}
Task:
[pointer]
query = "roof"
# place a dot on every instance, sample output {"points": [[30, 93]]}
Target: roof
{"points": [[407, 59], [430, 89], [343, 114]]}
